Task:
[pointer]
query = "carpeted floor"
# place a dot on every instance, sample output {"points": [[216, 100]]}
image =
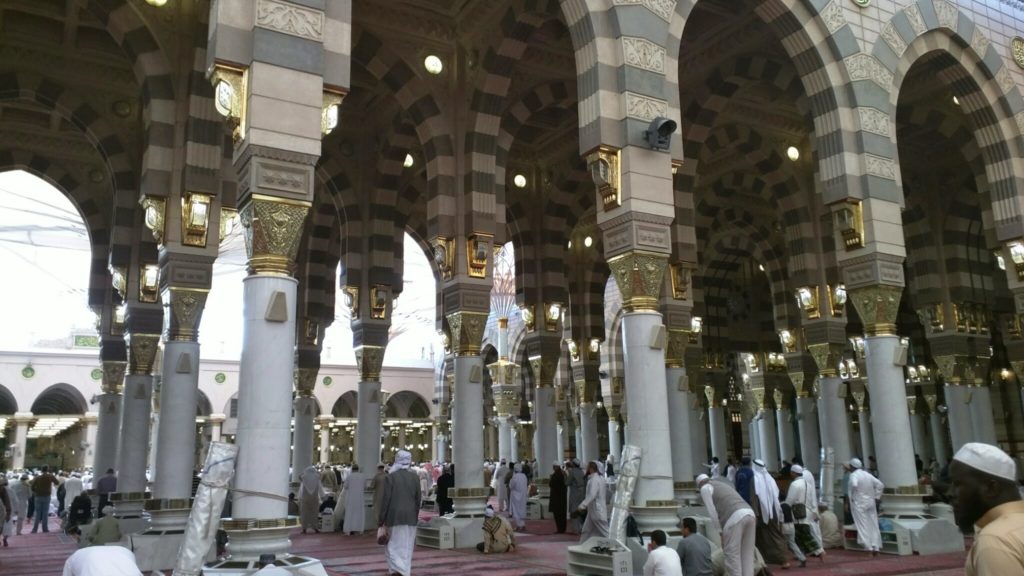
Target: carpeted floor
{"points": [[540, 553]]}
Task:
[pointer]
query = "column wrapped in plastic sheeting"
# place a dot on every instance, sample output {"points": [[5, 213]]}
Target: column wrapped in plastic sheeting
{"points": [[629, 470], [204, 519]]}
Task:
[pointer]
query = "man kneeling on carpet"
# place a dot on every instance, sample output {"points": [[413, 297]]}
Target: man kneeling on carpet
{"points": [[498, 534]]}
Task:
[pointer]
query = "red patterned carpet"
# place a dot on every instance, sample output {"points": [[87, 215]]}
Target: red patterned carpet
{"points": [[540, 553]]}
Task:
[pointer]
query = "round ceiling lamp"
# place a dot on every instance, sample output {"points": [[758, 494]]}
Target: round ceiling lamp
{"points": [[433, 64]]}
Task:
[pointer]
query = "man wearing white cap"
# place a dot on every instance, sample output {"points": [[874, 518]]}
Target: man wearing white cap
{"points": [[865, 491], [399, 511], [985, 496], [802, 502], [102, 561], [734, 519]]}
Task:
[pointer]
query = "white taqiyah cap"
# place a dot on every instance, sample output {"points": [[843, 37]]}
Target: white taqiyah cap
{"points": [[273, 571], [856, 463], [797, 469], [702, 478], [988, 459]]}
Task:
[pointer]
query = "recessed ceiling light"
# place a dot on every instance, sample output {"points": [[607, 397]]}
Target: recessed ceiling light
{"points": [[793, 153], [519, 180], [409, 161], [433, 64], [570, 244], [760, 267], [588, 241], [956, 100], [157, 3]]}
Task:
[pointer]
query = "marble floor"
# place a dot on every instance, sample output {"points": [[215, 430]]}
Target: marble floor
{"points": [[540, 553]]}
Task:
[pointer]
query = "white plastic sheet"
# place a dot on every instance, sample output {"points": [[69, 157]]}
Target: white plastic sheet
{"points": [[204, 519], [629, 469]]}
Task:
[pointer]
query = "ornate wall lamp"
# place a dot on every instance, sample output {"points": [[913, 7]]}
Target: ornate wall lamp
{"points": [[149, 283], [230, 85], [478, 247], [444, 256], [696, 325], [604, 171], [850, 223], [228, 219], [195, 218], [119, 280], [552, 314], [153, 207], [380, 295], [331, 111], [788, 341], [574, 349], [680, 281], [1016, 250], [837, 299], [528, 318], [807, 300], [351, 294]]}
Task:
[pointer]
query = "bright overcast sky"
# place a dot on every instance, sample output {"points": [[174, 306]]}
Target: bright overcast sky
{"points": [[44, 253]]}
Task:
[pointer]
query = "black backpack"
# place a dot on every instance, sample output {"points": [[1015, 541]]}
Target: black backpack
{"points": [[632, 530]]}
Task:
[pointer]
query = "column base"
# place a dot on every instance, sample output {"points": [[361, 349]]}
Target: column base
{"points": [[443, 532], [298, 565], [657, 515], [469, 502], [249, 538], [167, 514], [129, 509], [686, 493]]}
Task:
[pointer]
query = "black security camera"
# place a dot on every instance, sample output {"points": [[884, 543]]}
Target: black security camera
{"points": [[659, 133]]}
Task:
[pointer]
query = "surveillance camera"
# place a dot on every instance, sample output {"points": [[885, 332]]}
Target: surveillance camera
{"points": [[659, 133]]}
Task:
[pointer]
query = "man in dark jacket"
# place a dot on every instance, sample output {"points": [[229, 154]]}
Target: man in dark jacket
{"points": [[745, 479], [445, 481], [557, 501], [399, 512]]}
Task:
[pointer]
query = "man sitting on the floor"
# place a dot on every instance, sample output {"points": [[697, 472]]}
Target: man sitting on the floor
{"points": [[101, 532], [498, 534]]}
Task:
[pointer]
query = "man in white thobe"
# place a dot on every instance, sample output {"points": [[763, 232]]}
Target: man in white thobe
{"points": [[865, 491], [355, 510], [800, 497], [519, 488], [309, 499], [102, 561], [399, 511], [498, 483], [596, 524], [72, 488]]}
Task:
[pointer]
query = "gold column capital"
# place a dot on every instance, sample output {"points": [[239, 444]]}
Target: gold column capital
{"points": [[877, 307], [1018, 369], [675, 351], [506, 402], [544, 369], [859, 397], [826, 356], [612, 410], [142, 349], [272, 230], [186, 311], [113, 376], [912, 405], [780, 399], [932, 400], [639, 275], [467, 331], [305, 381], [369, 360], [799, 380]]}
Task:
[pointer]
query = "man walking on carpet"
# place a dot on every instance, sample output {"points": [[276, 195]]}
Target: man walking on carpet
{"points": [[399, 511]]}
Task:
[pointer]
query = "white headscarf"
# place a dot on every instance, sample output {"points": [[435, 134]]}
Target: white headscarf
{"points": [[310, 480], [767, 493], [402, 461]]}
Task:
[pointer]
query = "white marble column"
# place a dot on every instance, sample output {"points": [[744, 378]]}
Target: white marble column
{"points": [[22, 420], [325, 438], [264, 411], [889, 418], [588, 433], [807, 423], [983, 425], [545, 433], [504, 438], [958, 415], [578, 437], [368, 430], [867, 442], [938, 434], [108, 427], [176, 434], [90, 440], [680, 425], [835, 437], [469, 416], [648, 416], [922, 444], [131, 464], [561, 442], [755, 438], [513, 442], [698, 435], [440, 445], [216, 422], [302, 437], [766, 432], [716, 423], [491, 434], [614, 440], [787, 445]]}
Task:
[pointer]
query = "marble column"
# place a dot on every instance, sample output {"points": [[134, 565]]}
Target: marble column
{"points": [[833, 422], [807, 423], [867, 442], [179, 394], [504, 438], [716, 424], [216, 422], [940, 448], [108, 425], [138, 399], [514, 433], [325, 437], [491, 435], [755, 438], [698, 433], [470, 495], [561, 442], [614, 438], [877, 306], [766, 431], [983, 426], [958, 415], [922, 444], [545, 433], [302, 436], [578, 438], [22, 420], [90, 439], [787, 445], [368, 429], [681, 423], [588, 433]]}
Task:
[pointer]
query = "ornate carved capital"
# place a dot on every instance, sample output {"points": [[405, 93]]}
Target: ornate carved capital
{"points": [[113, 376], [612, 410], [467, 331], [305, 381], [932, 401], [1018, 369], [912, 405], [859, 397], [273, 227], [544, 369], [800, 384], [369, 360], [877, 307], [780, 400], [186, 310], [142, 349], [675, 351], [639, 275], [506, 402], [709, 393], [826, 357]]}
